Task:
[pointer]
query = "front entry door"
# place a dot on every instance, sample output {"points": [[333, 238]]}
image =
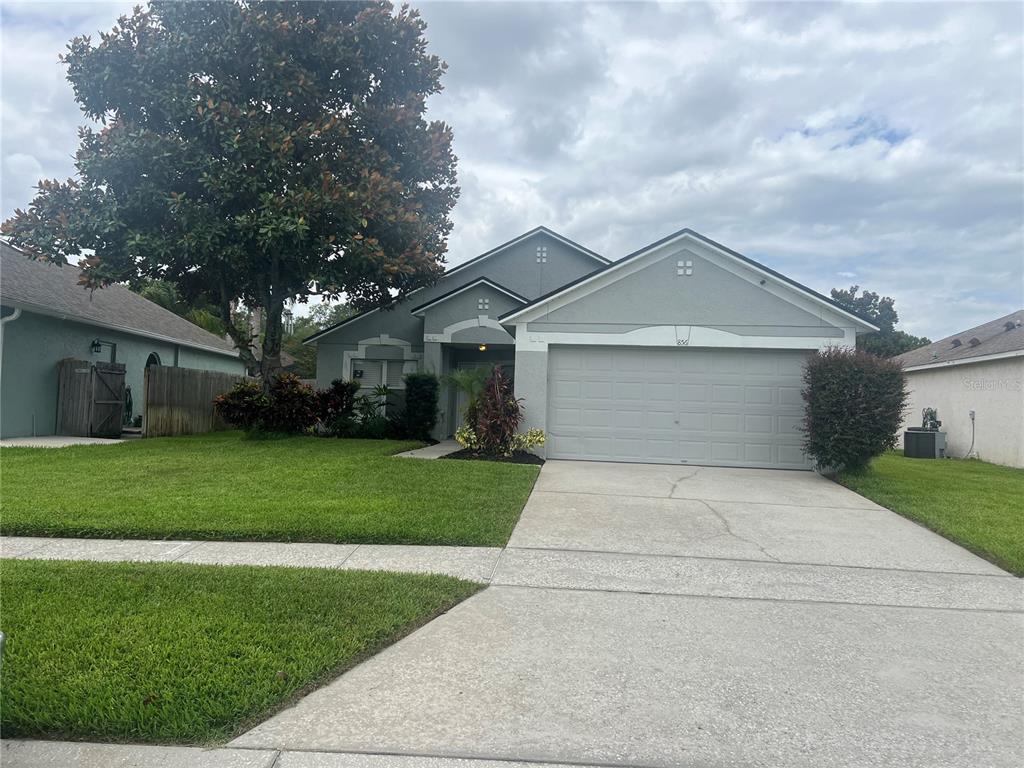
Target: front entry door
{"points": [[462, 399]]}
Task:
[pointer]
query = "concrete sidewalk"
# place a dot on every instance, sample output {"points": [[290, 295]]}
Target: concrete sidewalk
{"points": [[64, 754], [473, 563], [55, 441]]}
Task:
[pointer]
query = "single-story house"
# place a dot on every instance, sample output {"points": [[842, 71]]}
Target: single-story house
{"points": [[976, 381], [46, 316], [684, 352]]}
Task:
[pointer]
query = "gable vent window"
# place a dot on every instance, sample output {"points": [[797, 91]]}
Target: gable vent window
{"points": [[542, 254], [684, 267], [483, 304]]}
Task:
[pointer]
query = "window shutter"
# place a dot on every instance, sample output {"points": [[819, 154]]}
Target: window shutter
{"points": [[395, 375], [371, 372]]}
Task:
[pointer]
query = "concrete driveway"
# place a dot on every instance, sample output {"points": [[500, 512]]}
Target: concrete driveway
{"points": [[656, 615]]}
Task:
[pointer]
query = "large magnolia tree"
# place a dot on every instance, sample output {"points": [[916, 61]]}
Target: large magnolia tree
{"points": [[254, 153]]}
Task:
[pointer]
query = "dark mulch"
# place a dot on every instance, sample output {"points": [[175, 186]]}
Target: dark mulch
{"points": [[516, 458]]}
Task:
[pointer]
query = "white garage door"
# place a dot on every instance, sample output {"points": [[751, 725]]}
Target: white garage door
{"points": [[737, 408]]}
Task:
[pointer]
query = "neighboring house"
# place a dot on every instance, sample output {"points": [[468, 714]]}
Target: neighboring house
{"points": [[684, 352], [47, 316], [979, 371]]}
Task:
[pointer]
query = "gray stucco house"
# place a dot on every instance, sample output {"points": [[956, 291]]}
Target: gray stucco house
{"points": [[683, 352], [46, 316], [975, 379]]}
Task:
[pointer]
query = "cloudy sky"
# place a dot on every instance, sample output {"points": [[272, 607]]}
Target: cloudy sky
{"points": [[875, 143]]}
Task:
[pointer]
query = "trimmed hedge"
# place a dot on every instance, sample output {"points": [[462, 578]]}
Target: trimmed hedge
{"points": [[855, 405], [420, 415]]}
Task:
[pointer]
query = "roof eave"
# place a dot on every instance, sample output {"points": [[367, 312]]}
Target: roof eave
{"points": [[938, 364], [29, 306]]}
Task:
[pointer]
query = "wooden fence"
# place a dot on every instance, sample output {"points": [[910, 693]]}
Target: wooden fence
{"points": [[179, 401]]}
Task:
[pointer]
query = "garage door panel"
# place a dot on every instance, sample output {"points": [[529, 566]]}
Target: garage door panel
{"points": [[660, 450], [758, 424], [596, 390], [791, 396], [759, 395], [694, 422], [598, 360], [661, 391], [566, 417], [725, 393], [690, 405], [693, 393], [628, 390], [790, 425], [791, 456], [725, 422], [726, 452], [563, 388], [757, 453], [596, 417], [629, 449]]}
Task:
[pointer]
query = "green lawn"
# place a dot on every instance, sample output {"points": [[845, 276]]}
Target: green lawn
{"points": [[979, 506], [173, 653], [222, 486]]}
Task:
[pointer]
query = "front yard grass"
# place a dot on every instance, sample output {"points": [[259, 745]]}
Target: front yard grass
{"points": [[224, 487], [174, 653], [979, 506]]}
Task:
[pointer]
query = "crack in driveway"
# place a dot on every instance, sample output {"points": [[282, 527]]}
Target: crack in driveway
{"points": [[730, 532], [675, 483]]}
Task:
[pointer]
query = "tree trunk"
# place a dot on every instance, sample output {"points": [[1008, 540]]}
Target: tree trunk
{"points": [[270, 358], [242, 340]]}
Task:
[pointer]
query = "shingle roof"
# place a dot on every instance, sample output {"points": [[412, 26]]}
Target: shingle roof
{"points": [[37, 286], [997, 337]]}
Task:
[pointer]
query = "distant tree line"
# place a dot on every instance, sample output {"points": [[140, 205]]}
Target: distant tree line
{"points": [[880, 310]]}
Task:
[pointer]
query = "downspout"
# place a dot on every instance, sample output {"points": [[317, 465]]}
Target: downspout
{"points": [[3, 324]]}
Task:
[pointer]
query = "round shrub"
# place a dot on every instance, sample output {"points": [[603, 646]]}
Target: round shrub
{"points": [[243, 406], [292, 406], [855, 403]]}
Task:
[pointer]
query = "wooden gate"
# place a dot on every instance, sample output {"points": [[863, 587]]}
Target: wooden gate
{"points": [[90, 398], [74, 397], [107, 399]]}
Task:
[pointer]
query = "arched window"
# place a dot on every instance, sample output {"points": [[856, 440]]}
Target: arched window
{"points": [[153, 359]]}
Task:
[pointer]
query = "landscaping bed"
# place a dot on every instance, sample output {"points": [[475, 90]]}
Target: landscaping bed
{"points": [[521, 457], [174, 653], [975, 504], [222, 486]]}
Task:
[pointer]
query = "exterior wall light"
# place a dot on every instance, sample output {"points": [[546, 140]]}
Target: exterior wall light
{"points": [[96, 347], [482, 347]]}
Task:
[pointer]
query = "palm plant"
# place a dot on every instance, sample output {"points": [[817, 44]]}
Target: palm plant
{"points": [[469, 381]]}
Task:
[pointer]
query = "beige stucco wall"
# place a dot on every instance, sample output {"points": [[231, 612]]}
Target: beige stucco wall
{"points": [[994, 390]]}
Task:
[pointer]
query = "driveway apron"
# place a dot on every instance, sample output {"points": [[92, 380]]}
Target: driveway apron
{"points": [[649, 615]]}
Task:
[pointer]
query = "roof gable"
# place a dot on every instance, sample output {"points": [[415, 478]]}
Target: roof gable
{"points": [[767, 279], [525, 236], [511, 265], [480, 281], [49, 289]]}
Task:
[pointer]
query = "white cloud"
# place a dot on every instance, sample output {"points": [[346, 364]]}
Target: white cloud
{"points": [[877, 143]]}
